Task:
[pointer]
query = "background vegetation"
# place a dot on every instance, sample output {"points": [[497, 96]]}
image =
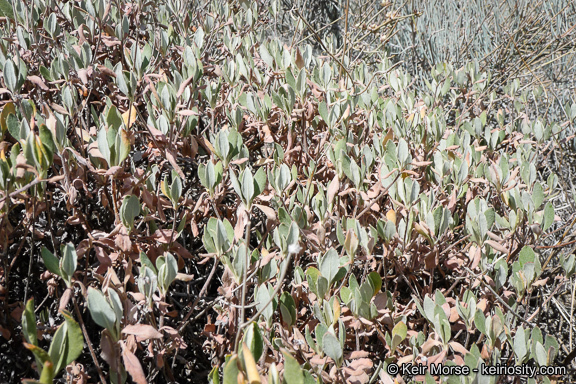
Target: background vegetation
{"points": [[290, 192]]}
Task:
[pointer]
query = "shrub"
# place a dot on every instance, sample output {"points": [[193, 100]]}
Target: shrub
{"points": [[241, 206]]}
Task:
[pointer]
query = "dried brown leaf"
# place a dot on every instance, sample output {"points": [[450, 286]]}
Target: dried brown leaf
{"points": [[187, 112], [497, 246], [110, 350], [65, 299], [142, 331], [172, 159], [39, 82], [123, 241], [133, 366], [183, 86], [269, 212], [333, 189], [163, 236], [457, 347]]}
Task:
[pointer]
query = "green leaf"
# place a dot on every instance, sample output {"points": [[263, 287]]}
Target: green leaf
{"points": [[375, 282], [10, 76], [323, 110], [322, 286], [203, 174], [69, 262], [355, 173], [231, 371], [398, 335], [222, 146], [520, 344], [114, 119], [442, 325], [117, 307], [293, 235], [59, 347], [29, 323], [42, 357], [320, 330], [263, 298], [309, 338], [129, 210], [330, 265], [480, 322], [221, 239], [13, 126], [332, 348], [235, 184], [526, 255], [346, 295], [8, 109], [403, 153], [259, 181], [47, 143], [103, 146], [292, 372], [213, 376], [439, 298], [548, 216], [551, 346], [67, 344], [51, 24], [366, 292], [537, 195], [247, 185], [100, 309], [288, 309], [301, 82], [167, 271], [145, 261], [6, 9], [312, 276], [51, 261], [147, 283], [290, 78], [210, 177], [254, 340], [540, 354], [121, 82], [429, 307], [265, 55], [536, 336], [175, 188]]}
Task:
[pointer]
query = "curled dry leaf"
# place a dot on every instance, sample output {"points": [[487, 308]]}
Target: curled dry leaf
{"points": [[65, 299], [122, 240], [36, 80], [133, 366], [142, 331]]}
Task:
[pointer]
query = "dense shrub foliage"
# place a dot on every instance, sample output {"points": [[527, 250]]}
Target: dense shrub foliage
{"points": [[190, 195]]}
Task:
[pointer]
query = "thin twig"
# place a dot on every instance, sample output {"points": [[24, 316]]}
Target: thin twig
{"points": [[272, 296], [31, 251], [31, 184], [382, 193], [532, 325], [244, 281], [200, 295], [324, 47], [572, 311], [87, 338], [532, 316]]}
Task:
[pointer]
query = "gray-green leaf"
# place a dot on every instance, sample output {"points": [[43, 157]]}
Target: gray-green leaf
{"points": [[100, 309], [332, 347]]}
